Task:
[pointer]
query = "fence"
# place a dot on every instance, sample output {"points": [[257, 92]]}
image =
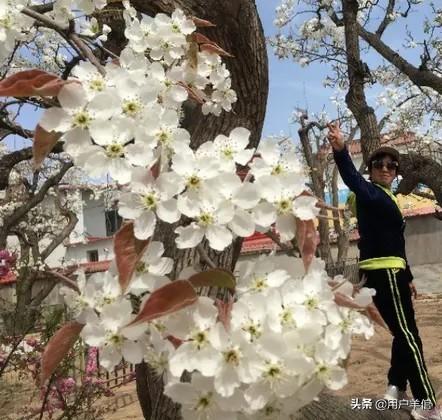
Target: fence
{"points": [[120, 375]]}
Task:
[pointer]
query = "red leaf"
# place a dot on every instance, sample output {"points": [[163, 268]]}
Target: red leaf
{"points": [[44, 142], [201, 23], [32, 83], [343, 300], [201, 39], [195, 94], [215, 49], [175, 340], [166, 300], [58, 347], [128, 251], [307, 240], [372, 313], [155, 170], [213, 278], [225, 311]]}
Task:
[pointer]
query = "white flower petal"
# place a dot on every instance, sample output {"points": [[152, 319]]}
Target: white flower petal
{"points": [[219, 237], [145, 225]]}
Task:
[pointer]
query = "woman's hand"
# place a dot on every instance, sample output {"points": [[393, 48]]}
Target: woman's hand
{"points": [[335, 136], [413, 290]]}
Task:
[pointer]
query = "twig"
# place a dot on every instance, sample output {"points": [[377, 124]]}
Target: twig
{"points": [[65, 280], [42, 409], [87, 52], [205, 256], [71, 37], [14, 347]]}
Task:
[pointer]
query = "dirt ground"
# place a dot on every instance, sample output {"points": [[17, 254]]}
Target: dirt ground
{"points": [[368, 365], [369, 360]]}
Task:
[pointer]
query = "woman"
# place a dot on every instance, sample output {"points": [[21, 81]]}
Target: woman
{"points": [[384, 263]]}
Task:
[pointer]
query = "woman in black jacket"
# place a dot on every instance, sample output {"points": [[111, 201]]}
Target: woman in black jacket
{"points": [[384, 263]]}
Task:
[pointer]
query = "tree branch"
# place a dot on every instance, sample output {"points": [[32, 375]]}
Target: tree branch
{"points": [[14, 218], [418, 77], [387, 20]]}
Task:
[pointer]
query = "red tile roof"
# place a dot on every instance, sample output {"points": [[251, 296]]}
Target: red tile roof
{"points": [[96, 266], [8, 279]]}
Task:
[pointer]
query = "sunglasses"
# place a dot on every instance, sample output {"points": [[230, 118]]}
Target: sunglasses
{"points": [[379, 164]]}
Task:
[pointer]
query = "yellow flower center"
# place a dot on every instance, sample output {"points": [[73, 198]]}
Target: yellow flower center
{"points": [[284, 206], [96, 84], [131, 107], [149, 201], [278, 169], [204, 401], [232, 357], [228, 153], [311, 303], [193, 182], [205, 219], [114, 150], [82, 119]]}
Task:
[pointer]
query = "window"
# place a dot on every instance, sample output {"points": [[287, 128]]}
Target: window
{"points": [[92, 255], [113, 221]]}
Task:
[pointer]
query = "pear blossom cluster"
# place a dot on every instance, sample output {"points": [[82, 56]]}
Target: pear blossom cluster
{"points": [[282, 340], [13, 25], [126, 123]]}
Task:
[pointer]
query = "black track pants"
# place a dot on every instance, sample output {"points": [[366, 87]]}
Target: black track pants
{"points": [[393, 300]]}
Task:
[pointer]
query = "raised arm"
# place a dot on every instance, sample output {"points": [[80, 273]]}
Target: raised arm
{"points": [[350, 175]]}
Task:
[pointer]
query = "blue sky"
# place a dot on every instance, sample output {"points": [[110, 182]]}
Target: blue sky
{"points": [[290, 84]]}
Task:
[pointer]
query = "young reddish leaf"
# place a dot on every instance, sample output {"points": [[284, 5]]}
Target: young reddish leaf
{"points": [[44, 142], [32, 83], [372, 313], [307, 240], [201, 23], [213, 278], [343, 300], [128, 251], [155, 170], [166, 300], [201, 39], [195, 94], [225, 311], [58, 347], [175, 340], [215, 49]]}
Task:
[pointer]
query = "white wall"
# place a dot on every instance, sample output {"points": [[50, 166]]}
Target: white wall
{"points": [[77, 253], [93, 216]]}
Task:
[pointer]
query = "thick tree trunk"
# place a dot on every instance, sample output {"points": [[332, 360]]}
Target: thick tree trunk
{"points": [[239, 31]]}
